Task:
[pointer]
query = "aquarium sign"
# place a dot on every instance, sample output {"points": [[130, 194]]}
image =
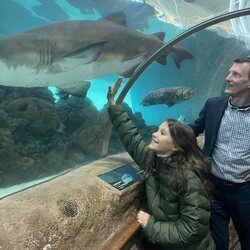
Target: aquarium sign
{"points": [[123, 176]]}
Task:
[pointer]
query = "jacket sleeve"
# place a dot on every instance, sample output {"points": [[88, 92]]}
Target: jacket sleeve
{"points": [[192, 223], [129, 135], [199, 124]]}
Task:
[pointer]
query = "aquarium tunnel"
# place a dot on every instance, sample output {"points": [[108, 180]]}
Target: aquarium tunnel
{"points": [[57, 59]]}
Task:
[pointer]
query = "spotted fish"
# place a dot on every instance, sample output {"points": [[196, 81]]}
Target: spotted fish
{"points": [[169, 96]]}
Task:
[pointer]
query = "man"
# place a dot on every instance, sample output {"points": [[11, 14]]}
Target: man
{"points": [[226, 122]]}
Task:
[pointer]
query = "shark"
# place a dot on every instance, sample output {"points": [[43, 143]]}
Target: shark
{"points": [[68, 54]]}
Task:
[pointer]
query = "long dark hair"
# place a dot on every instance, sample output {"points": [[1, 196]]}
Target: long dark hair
{"points": [[186, 155]]}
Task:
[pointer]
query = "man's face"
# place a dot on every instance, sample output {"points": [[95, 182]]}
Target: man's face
{"points": [[238, 82]]}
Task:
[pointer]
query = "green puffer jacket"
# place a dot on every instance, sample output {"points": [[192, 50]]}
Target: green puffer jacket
{"points": [[176, 222]]}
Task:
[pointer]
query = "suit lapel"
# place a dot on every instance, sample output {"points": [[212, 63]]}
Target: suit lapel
{"points": [[218, 110]]}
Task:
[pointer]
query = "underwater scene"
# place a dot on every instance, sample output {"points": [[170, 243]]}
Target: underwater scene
{"points": [[58, 57]]}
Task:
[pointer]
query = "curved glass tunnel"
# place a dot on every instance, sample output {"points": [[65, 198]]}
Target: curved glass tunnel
{"points": [[54, 80]]}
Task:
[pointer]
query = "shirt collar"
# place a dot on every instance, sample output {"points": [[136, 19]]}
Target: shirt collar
{"points": [[230, 105]]}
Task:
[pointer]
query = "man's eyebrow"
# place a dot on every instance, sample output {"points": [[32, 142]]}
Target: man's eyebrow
{"points": [[234, 71]]}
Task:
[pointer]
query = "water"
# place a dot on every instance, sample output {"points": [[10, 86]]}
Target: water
{"points": [[43, 135]]}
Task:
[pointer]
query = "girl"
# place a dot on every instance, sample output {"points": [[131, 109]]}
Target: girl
{"points": [[177, 184]]}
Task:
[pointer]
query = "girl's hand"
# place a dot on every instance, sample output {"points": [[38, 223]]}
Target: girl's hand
{"points": [[113, 91], [142, 218]]}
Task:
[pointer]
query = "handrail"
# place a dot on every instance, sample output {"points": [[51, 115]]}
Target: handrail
{"points": [[121, 238], [135, 76]]}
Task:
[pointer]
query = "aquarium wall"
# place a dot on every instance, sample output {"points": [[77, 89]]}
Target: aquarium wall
{"points": [[57, 59]]}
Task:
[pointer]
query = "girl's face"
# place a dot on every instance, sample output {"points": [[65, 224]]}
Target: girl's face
{"points": [[162, 142]]}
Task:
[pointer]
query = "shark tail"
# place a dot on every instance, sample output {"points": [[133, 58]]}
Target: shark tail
{"points": [[179, 54]]}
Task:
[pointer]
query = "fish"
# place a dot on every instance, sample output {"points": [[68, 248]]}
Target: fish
{"points": [[169, 96], [68, 54]]}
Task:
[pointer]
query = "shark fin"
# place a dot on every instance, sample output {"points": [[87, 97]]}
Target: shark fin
{"points": [[88, 54], [129, 57], [159, 35], [78, 89], [162, 60], [179, 54], [129, 72], [117, 18]]}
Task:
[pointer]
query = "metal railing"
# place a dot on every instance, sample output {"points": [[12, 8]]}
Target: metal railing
{"points": [[121, 239]]}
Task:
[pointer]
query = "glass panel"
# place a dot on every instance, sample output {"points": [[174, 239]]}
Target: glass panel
{"points": [[168, 92], [57, 59]]}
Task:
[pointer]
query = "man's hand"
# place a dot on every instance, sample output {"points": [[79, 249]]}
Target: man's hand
{"points": [[112, 91], [247, 176]]}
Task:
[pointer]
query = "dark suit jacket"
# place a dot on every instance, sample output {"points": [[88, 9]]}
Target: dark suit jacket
{"points": [[209, 120]]}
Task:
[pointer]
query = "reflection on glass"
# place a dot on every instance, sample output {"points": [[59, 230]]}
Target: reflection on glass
{"points": [[57, 62]]}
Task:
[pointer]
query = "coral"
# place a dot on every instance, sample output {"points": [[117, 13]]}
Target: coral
{"points": [[11, 93], [26, 161], [74, 112], [40, 114], [4, 119]]}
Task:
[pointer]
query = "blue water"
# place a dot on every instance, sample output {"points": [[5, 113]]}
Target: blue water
{"points": [[41, 12], [75, 133]]}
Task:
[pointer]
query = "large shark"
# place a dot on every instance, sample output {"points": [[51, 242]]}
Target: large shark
{"points": [[66, 54]]}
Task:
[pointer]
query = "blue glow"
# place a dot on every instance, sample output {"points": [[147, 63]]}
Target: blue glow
{"points": [[98, 91]]}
